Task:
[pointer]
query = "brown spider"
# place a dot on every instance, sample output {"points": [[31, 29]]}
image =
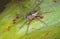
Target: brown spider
{"points": [[34, 14]]}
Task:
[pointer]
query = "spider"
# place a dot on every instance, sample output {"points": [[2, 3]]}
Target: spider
{"points": [[34, 14], [17, 15]]}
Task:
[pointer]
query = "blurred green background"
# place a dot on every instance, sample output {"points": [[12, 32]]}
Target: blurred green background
{"points": [[37, 29]]}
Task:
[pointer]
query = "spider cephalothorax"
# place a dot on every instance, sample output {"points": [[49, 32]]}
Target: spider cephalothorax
{"points": [[32, 15]]}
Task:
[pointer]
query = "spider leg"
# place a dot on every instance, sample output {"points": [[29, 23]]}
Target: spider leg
{"points": [[37, 5], [41, 21], [28, 27], [22, 25], [46, 12]]}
